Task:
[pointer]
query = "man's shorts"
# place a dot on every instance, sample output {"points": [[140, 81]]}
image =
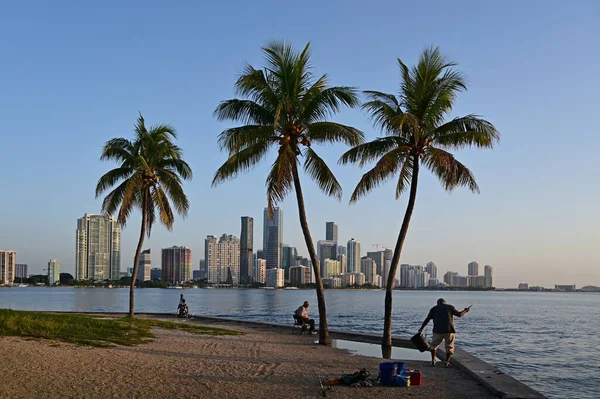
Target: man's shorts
{"points": [[448, 338]]}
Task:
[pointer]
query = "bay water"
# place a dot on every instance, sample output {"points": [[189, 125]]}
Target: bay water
{"points": [[549, 341]]}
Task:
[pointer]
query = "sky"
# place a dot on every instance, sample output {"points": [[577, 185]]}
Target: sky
{"points": [[75, 74]]}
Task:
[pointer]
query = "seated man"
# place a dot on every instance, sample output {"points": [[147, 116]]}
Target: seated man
{"points": [[302, 314], [182, 308]]}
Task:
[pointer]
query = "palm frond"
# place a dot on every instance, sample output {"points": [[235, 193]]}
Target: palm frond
{"points": [[241, 161], [316, 168], [449, 171], [404, 177], [383, 170], [245, 111], [368, 152], [177, 165], [236, 138], [112, 177], [160, 199], [253, 83], [465, 132], [280, 178], [331, 132], [118, 149], [319, 104], [172, 184]]}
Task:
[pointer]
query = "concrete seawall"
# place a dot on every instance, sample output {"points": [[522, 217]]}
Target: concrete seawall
{"points": [[496, 381]]}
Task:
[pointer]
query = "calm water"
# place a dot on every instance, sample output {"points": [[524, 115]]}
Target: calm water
{"points": [[550, 341]]}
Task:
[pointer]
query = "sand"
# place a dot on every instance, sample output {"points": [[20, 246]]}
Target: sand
{"points": [[259, 364]]}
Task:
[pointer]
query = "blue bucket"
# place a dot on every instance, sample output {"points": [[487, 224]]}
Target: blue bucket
{"points": [[400, 367], [387, 373], [402, 380]]}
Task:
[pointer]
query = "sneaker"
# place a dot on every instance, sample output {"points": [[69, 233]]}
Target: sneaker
{"points": [[313, 333], [447, 364]]}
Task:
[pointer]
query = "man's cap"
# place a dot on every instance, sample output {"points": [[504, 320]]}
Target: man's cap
{"points": [[441, 301], [306, 303]]}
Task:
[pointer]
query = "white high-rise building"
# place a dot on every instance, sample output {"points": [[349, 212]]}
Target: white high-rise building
{"points": [[353, 255], [359, 278], [369, 267], [488, 272], [421, 279], [431, 268], [332, 268], [275, 278], [260, 270], [98, 248], [473, 269], [144, 266], [8, 261], [223, 259], [273, 237], [387, 265], [343, 263], [53, 271]]}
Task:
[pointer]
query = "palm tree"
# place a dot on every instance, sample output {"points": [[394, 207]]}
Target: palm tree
{"points": [[149, 176], [416, 134], [284, 107]]}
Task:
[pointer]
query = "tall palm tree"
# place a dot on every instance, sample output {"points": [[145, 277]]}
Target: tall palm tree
{"points": [[149, 177], [285, 108], [417, 133]]}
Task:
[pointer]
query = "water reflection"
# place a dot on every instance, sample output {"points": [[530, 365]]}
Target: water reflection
{"points": [[373, 350]]}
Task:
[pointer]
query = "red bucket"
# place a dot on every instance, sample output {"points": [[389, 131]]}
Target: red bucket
{"points": [[415, 377]]}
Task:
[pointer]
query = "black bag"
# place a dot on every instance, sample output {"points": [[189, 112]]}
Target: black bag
{"points": [[420, 342]]}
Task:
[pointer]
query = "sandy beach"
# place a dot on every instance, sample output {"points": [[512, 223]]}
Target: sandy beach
{"points": [[259, 364]]}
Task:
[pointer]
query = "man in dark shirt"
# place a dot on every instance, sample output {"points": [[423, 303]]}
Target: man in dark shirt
{"points": [[443, 328]]}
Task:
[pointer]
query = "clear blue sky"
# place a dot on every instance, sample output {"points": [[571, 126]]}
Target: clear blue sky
{"points": [[74, 74]]}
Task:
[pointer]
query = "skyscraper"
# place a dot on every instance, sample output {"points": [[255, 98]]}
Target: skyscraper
{"points": [[260, 270], [274, 278], [387, 264], [223, 259], [331, 231], [246, 245], [273, 237], [326, 250], [431, 268], [369, 268], [353, 256], [343, 263], [473, 269], [8, 261], [176, 264], [98, 248], [20, 272], [144, 266], [53, 271], [202, 268], [488, 272], [379, 258], [288, 259]]}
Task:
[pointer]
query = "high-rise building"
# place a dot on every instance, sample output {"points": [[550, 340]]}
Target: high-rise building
{"points": [[144, 266], [387, 265], [299, 275], [431, 268], [203, 275], [353, 256], [274, 278], [451, 278], [288, 259], [473, 269], [21, 272], [379, 258], [332, 268], [488, 272], [343, 263], [326, 250], [421, 279], [53, 271], [223, 259], [359, 278], [369, 268], [8, 261], [176, 263], [246, 245], [155, 273], [260, 270], [273, 237], [331, 231], [98, 248], [341, 250]]}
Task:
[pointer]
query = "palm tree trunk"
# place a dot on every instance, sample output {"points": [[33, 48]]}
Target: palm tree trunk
{"points": [[136, 259], [387, 324], [323, 330]]}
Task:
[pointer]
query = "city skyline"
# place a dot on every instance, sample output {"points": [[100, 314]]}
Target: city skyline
{"points": [[528, 226]]}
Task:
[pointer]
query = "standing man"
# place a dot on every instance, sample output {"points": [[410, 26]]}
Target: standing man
{"points": [[443, 328], [303, 314]]}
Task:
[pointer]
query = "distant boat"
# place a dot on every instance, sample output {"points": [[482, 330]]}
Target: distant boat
{"points": [[23, 285], [269, 288], [290, 288]]}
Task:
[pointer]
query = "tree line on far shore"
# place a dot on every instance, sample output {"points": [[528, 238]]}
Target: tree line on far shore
{"points": [[283, 106]]}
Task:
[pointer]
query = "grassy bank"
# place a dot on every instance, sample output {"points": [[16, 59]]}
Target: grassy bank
{"points": [[92, 330]]}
